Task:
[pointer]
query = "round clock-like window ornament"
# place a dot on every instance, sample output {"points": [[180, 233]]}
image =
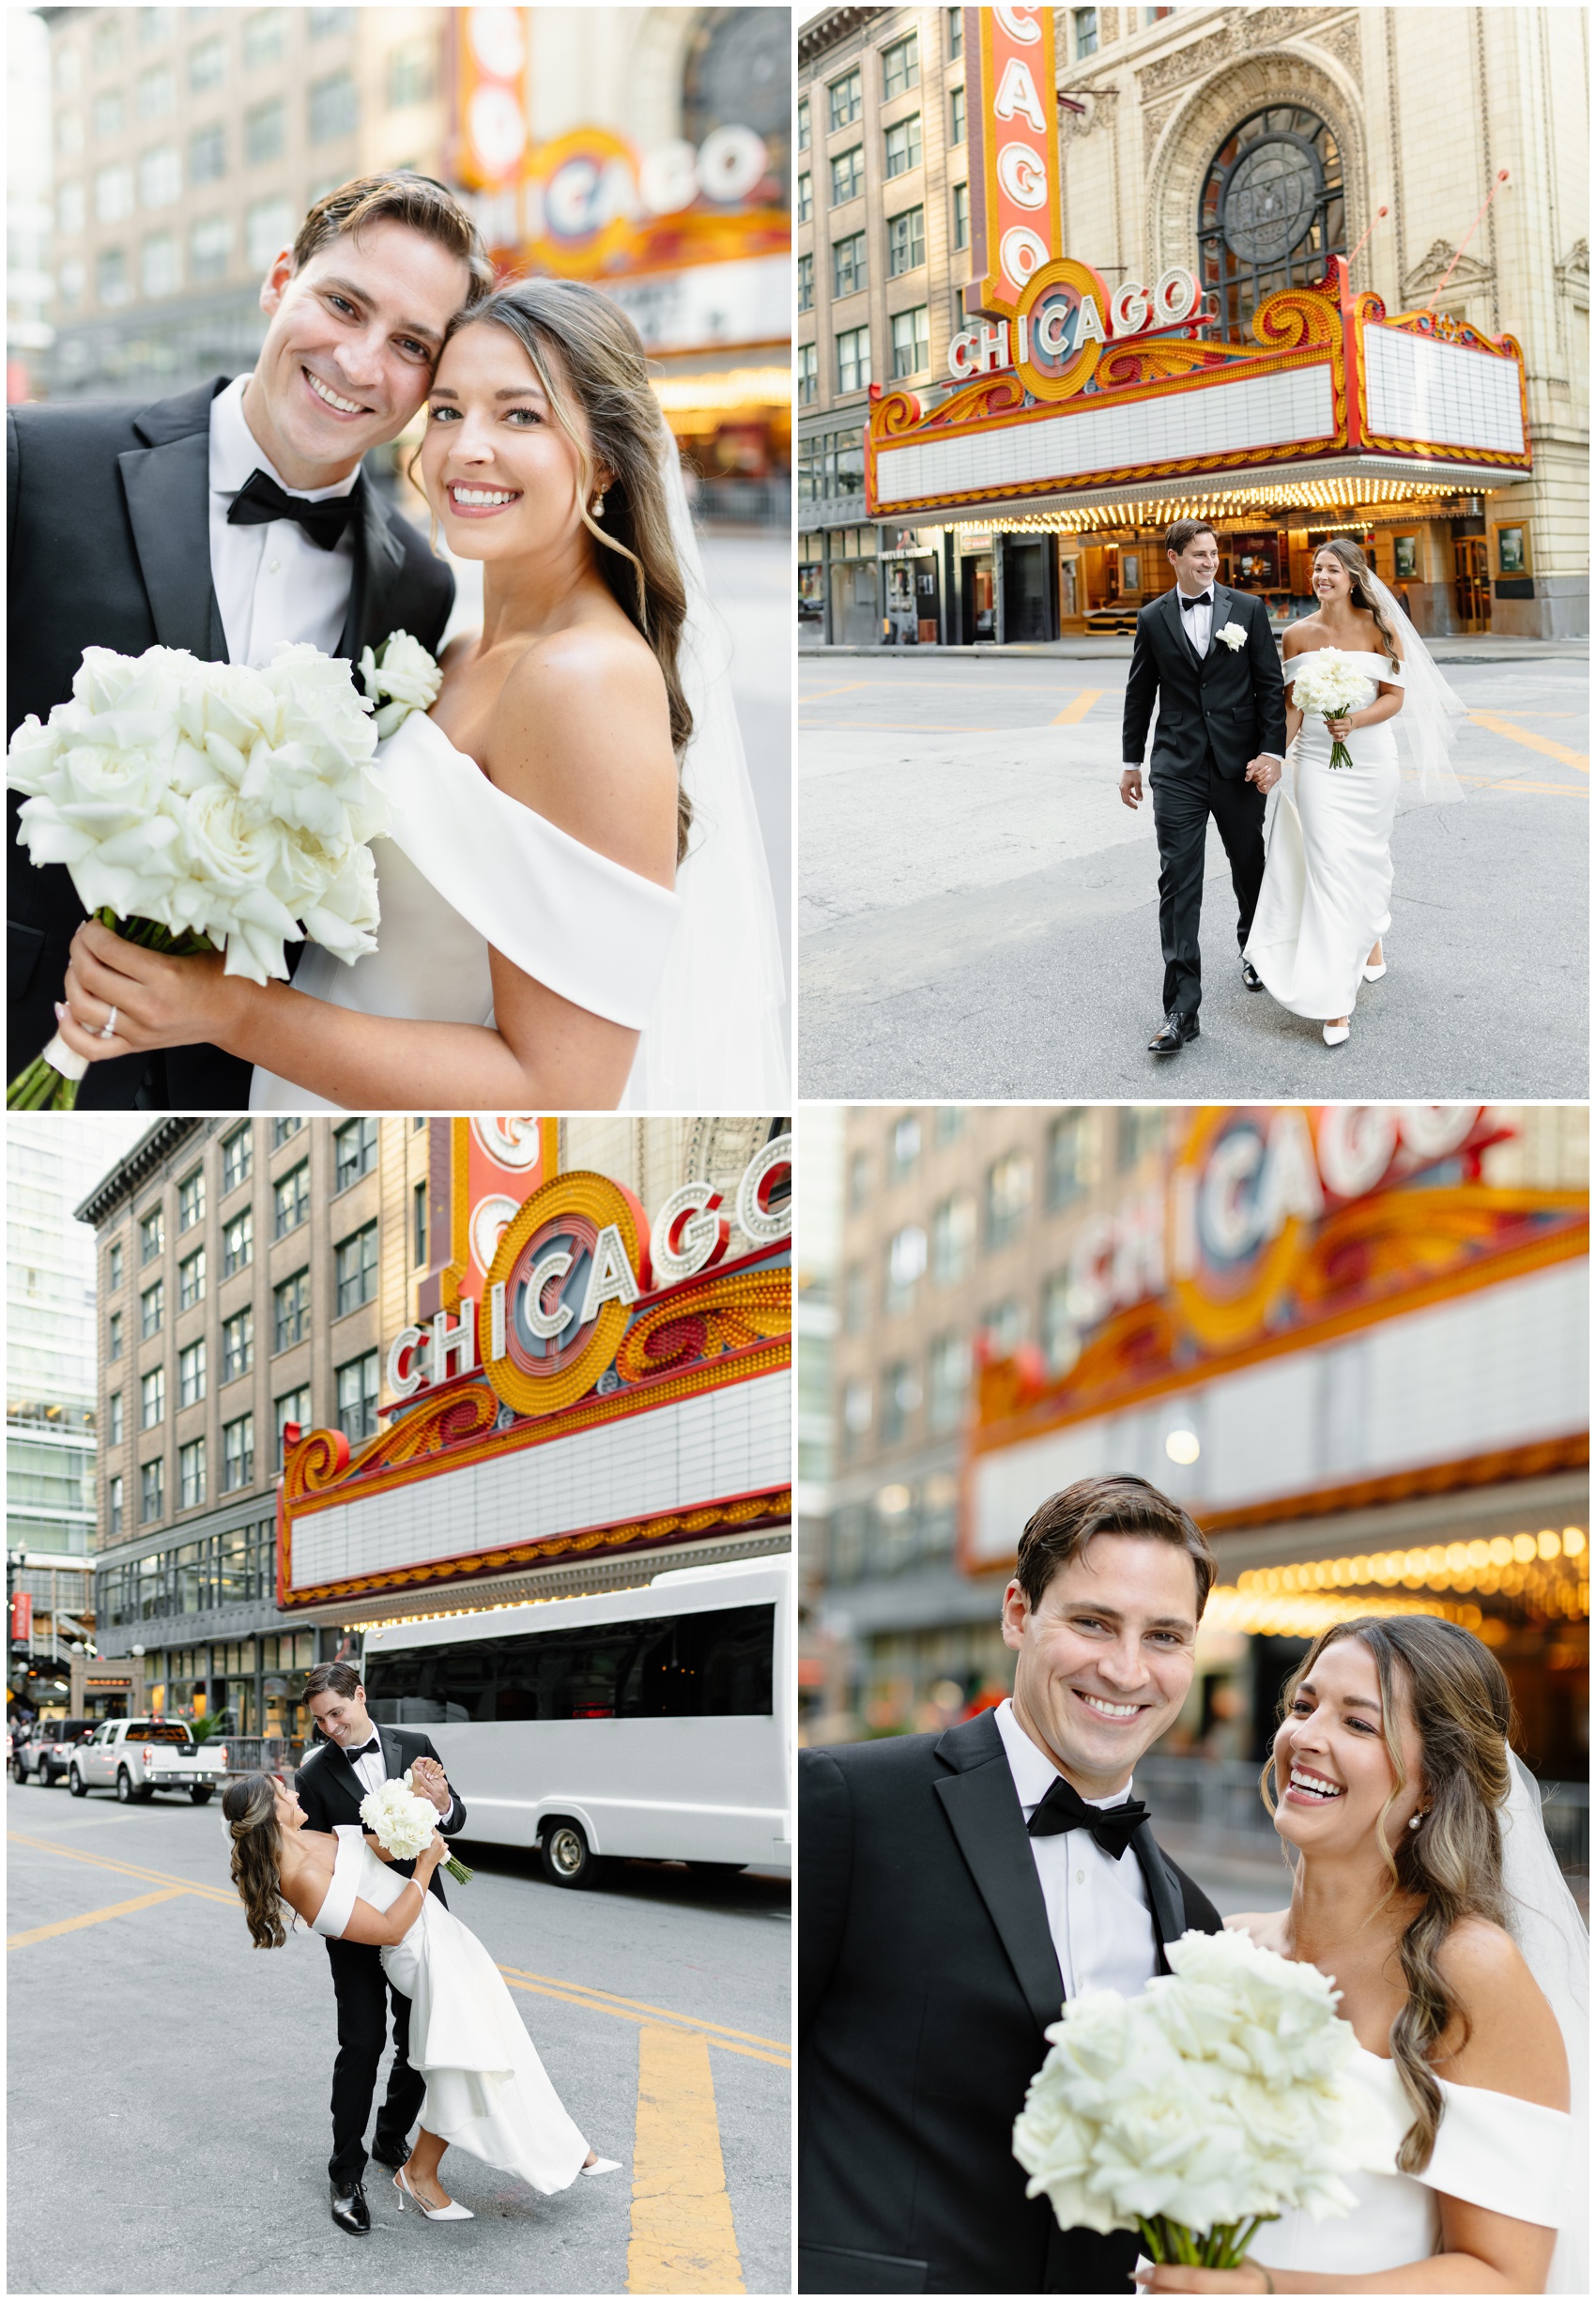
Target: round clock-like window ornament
{"points": [[1269, 199]]}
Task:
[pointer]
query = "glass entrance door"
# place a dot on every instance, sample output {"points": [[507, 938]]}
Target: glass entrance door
{"points": [[1471, 582]]}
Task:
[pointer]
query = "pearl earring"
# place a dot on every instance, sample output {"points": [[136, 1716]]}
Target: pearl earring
{"points": [[596, 507], [1417, 1817]]}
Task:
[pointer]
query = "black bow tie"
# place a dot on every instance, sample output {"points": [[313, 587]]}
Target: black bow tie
{"points": [[1064, 1808], [260, 499], [1203, 599], [366, 1750]]}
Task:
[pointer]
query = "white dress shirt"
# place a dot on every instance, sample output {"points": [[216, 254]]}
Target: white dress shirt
{"points": [[1097, 1911], [271, 582]]}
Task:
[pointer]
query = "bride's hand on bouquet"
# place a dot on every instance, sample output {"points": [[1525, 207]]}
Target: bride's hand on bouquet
{"points": [[1341, 728], [157, 1000], [1170, 2277]]}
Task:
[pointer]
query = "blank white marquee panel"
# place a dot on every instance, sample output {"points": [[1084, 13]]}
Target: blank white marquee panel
{"points": [[732, 1441], [1420, 390], [1504, 1367], [1222, 419]]}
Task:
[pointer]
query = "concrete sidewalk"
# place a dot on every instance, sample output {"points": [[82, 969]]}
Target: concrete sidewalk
{"points": [[1464, 647]]}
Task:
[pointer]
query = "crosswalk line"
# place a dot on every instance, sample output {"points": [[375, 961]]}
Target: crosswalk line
{"points": [[93, 1917], [682, 2237]]}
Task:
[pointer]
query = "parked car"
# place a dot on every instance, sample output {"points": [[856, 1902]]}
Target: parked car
{"points": [[136, 1756], [47, 1750]]}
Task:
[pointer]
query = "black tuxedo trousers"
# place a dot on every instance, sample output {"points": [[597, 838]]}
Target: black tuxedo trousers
{"points": [[926, 1976]]}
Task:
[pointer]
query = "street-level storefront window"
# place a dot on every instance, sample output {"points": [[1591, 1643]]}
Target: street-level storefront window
{"points": [[811, 590], [1271, 211], [830, 463]]}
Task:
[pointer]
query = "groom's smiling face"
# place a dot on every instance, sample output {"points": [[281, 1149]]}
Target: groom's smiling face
{"points": [[1105, 1661]]}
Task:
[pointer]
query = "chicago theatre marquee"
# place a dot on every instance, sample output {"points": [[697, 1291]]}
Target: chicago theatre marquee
{"points": [[590, 1390]]}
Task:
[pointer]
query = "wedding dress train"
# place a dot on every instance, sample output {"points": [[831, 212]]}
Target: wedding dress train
{"points": [[1326, 891], [487, 2092]]}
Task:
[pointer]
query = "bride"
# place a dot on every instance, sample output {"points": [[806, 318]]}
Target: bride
{"points": [[1324, 904], [575, 905], [1425, 1888], [487, 2092]]}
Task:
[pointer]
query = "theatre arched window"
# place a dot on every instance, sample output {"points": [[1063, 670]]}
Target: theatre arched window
{"points": [[1271, 212]]}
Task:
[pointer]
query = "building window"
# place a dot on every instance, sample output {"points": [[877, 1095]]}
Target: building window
{"points": [[901, 1398], [856, 1408], [283, 1131], [953, 1238], [268, 228], [1072, 1167], [845, 100], [333, 110], [419, 1225], [848, 174], [114, 1335], [324, 21], [910, 341], [905, 1268], [263, 39], [949, 1369], [900, 66], [208, 163], [190, 1200], [239, 1243], [69, 213], [238, 1454], [237, 1160], [856, 1299], [1271, 212], [114, 1437], [110, 115], [113, 1267], [1008, 1198], [848, 266], [237, 1344], [354, 1151], [152, 1236], [809, 375], [152, 1495], [190, 1474], [356, 1264], [291, 1200], [803, 208], [957, 129], [153, 1398], [853, 359], [291, 1311], [152, 1309], [265, 132], [1140, 1128], [806, 283], [903, 1149], [357, 1398], [903, 147], [1061, 1342], [412, 73], [961, 215], [160, 266], [108, 42], [158, 92], [294, 1407], [1003, 1326], [858, 1181], [190, 1279], [111, 281], [802, 123], [113, 1508], [191, 1375], [955, 34], [208, 65], [1086, 24], [155, 24], [905, 242]]}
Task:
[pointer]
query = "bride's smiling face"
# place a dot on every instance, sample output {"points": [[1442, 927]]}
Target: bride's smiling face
{"points": [[290, 1813], [1334, 1772], [1331, 582], [498, 468]]}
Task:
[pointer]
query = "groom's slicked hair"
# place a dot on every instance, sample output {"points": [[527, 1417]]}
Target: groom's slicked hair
{"points": [[399, 196], [1065, 1523], [332, 1678], [1183, 531]]}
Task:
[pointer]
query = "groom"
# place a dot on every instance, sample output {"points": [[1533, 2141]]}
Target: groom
{"points": [[958, 1889], [1207, 657], [355, 1758], [224, 520]]}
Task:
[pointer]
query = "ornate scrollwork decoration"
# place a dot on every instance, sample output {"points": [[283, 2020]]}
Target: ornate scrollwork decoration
{"points": [[318, 1461], [894, 413], [993, 395], [1118, 370], [1297, 317], [722, 1315]]}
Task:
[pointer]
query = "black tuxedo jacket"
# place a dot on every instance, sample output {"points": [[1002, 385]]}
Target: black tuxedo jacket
{"points": [[926, 1976], [109, 546], [330, 1792], [1232, 702]]}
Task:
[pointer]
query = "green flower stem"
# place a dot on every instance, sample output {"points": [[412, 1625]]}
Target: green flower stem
{"points": [[458, 1870], [1223, 2246], [41, 1087]]}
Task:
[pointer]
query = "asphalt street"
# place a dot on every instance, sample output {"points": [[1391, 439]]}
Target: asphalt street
{"points": [[979, 911], [169, 2083]]}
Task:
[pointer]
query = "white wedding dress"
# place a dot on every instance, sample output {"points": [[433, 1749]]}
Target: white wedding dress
{"points": [[1508, 2155], [487, 2092], [1325, 899], [463, 866]]}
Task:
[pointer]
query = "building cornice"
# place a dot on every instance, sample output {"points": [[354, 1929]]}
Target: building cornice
{"points": [[824, 31], [164, 1137]]}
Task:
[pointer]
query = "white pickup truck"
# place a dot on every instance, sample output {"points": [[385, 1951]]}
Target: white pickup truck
{"points": [[136, 1756]]}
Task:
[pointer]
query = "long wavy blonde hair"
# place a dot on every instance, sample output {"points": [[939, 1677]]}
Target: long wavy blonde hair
{"points": [[1458, 1697]]}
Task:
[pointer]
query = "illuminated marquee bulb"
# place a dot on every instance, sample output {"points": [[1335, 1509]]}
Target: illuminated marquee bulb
{"points": [[690, 1234]]}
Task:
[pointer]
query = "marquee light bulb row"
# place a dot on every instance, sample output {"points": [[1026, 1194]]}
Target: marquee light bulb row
{"points": [[1255, 1615], [1313, 495]]}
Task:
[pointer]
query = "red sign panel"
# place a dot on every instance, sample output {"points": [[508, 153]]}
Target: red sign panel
{"points": [[1015, 217]]}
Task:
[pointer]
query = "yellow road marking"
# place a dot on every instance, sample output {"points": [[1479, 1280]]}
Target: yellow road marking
{"points": [[1513, 783], [664, 2013], [1074, 712], [682, 2237], [1499, 726], [127, 1869], [848, 687], [900, 727], [687, 2026], [93, 1917]]}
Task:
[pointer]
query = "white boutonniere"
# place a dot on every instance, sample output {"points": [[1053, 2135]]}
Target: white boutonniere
{"points": [[405, 674], [1233, 634]]}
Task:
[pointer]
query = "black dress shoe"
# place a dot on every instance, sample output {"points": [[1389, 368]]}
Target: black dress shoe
{"points": [[350, 2210], [391, 2163], [1249, 973], [1173, 1034]]}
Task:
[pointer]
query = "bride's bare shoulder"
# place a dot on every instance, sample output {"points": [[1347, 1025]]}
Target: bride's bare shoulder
{"points": [[581, 731], [1514, 2044], [1301, 636], [1265, 1927]]}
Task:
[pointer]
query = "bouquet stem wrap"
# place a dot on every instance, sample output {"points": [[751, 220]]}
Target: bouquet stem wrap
{"points": [[52, 1080]]}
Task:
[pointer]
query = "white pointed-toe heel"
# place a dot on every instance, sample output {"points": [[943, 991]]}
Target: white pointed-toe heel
{"points": [[602, 2165], [1336, 1031], [453, 2211], [1373, 974]]}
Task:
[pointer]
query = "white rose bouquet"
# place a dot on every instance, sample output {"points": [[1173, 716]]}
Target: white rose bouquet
{"points": [[1332, 685], [213, 806], [403, 1822], [1208, 2104]]}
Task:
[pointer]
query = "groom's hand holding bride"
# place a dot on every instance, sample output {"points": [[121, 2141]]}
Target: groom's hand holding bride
{"points": [[1172, 2277], [1264, 773]]}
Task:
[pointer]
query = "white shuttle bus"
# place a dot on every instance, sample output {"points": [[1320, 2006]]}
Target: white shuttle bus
{"points": [[654, 1722]]}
